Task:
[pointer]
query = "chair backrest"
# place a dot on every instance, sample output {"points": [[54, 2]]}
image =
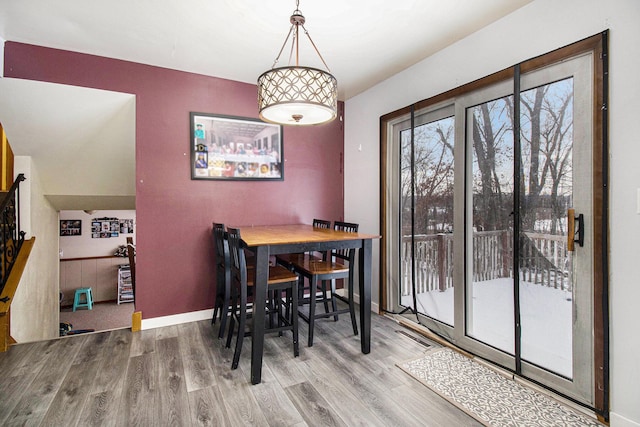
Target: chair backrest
{"points": [[131, 253], [221, 244], [349, 227], [223, 266], [321, 223], [237, 257]]}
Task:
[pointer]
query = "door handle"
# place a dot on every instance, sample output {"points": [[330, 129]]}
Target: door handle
{"points": [[575, 227]]}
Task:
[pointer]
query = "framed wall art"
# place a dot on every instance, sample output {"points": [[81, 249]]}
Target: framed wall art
{"points": [[71, 227], [235, 148]]}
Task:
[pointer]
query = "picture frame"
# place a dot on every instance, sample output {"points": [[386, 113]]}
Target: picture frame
{"points": [[102, 228], [235, 148], [70, 227], [126, 226]]}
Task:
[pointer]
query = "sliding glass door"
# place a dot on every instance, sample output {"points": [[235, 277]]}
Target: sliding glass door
{"points": [[495, 201]]}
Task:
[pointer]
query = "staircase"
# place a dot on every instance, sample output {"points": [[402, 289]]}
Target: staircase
{"points": [[14, 249]]}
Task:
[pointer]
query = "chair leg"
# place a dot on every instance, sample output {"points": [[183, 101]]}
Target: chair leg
{"points": [[301, 290], [224, 312], [217, 305], [278, 308], [294, 320], [275, 319], [232, 321], [241, 326], [289, 308], [76, 300], [272, 309], [352, 308], [332, 294], [215, 313], [312, 309], [323, 287]]}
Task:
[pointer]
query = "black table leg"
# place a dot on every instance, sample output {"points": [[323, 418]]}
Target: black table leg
{"points": [[365, 295], [259, 300]]}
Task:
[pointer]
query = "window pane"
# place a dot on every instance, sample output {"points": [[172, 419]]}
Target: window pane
{"points": [[489, 296], [433, 219], [545, 264]]}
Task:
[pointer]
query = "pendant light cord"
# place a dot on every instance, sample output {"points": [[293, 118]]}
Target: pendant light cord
{"points": [[297, 20]]}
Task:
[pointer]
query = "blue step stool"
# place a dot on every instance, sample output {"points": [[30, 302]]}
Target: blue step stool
{"points": [[79, 301]]}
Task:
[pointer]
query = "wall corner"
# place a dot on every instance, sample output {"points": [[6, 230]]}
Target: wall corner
{"points": [[2, 42]]}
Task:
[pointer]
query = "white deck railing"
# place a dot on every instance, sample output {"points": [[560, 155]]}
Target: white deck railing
{"points": [[544, 260]]}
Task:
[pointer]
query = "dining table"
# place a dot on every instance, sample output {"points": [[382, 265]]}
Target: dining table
{"points": [[267, 240]]}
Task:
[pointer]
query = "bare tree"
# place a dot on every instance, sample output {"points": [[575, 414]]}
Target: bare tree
{"points": [[547, 153], [493, 151], [432, 175]]}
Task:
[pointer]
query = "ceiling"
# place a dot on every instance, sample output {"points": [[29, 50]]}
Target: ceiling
{"points": [[363, 43]]}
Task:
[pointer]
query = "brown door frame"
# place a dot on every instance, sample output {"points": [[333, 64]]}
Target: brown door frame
{"points": [[598, 45]]}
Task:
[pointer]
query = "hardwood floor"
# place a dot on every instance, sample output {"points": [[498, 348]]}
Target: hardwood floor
{"points": [[181, 375]]}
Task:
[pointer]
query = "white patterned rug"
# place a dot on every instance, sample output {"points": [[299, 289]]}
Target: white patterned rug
{"points": [[488, 396]]}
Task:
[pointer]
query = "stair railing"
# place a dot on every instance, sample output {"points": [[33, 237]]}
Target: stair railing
{"points": [[11, 235]]}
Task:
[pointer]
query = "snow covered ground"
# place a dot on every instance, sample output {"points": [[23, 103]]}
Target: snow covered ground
{"points": [[545, 317]]}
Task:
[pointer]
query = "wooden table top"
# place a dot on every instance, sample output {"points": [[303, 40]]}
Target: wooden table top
{"points": [[295, 233]]}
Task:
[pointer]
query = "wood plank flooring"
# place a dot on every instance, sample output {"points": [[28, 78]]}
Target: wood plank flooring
{"points": [[181, 375]]}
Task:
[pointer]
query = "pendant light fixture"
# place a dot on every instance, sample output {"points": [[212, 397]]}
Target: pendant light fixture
{"points": [[295, 95]]}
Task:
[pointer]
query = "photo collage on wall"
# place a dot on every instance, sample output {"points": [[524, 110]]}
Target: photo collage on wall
{"points": [[102, 228]]}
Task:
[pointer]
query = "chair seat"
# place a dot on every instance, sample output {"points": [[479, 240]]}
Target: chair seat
{"points": [[277, 274], [311, 265], [322, 276], [287, 260]]}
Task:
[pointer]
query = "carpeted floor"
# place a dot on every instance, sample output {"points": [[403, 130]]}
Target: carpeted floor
{"points": [[488, 396], [104, 316]]}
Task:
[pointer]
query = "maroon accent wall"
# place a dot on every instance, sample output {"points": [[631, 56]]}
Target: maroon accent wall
{"points": [[175, 272]]}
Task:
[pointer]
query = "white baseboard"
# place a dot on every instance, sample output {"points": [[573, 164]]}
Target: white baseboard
{"points": [[196, 316], [616, 420], [176, 319]]}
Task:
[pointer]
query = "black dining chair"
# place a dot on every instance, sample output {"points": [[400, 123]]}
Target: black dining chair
{"points": [[281, 312], [131, 254], [337, 264], [286, 260], [223, 276]]}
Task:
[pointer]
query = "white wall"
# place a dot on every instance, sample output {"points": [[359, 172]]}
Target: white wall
{"points": [[85, 245], [537, 28], [35, 309], [2, 57]]}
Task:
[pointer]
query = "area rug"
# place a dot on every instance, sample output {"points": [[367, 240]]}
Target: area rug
{"points": [[486, 395]]}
